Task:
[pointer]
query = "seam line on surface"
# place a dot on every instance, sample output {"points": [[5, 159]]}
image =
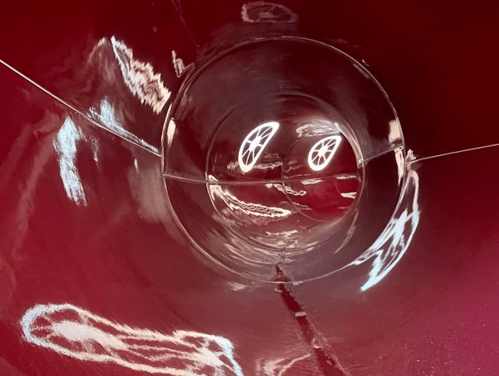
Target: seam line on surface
{"points": [[328, 364], [381, 154], [151, 150], [455, 152]]}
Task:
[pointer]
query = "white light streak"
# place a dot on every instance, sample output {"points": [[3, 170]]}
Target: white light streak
{"points": [[79, 334], [394, 241], [249, 208], [351, 195], [107, 117], [140, 78], [279, 367], [65, 145]]}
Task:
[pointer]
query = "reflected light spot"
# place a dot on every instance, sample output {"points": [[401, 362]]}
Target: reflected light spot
{"points": [[179, 66], [248, 208], [261, 11], [254, 144], [74, 331], [322, 152], [140, 78], [79, 334], [351, 195], [107, 117], [288, 190], [395, 131], [65, 145], [170, 133], [279, 367], [399, 158]]}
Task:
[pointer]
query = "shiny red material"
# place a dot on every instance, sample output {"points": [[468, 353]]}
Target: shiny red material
{"points": [[97, 278]]}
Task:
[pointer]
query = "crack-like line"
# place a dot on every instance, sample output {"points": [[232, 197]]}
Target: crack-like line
{"points": [[86, 117], [327, 364], [455, 152]]}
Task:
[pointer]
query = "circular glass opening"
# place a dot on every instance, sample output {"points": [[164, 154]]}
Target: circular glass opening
{"points": [[282, 152]]}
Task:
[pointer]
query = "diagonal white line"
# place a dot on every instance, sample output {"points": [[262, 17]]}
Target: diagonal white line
{"points": [[152, 149], [455, 152]]}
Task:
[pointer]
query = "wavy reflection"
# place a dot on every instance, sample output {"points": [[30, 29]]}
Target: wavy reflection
{"points": [[261, 11], [107, 117], [77, 333], [140, 77], [280, 367], [236, 205], [65, 145], [394, 241]]}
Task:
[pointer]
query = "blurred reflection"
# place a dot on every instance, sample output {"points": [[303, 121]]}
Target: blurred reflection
{"points": [[107, 118], [261, 11], [65, 145], [140, 78], [254, 143], [280, 367], [318, 127], [394, 241], [322, 152], [288, 190], [178, 65], [77, 333], [237, 206]]}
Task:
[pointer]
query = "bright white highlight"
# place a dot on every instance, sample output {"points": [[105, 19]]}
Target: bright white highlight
{"points": [[65, 145], [394, 241], [287, 189], [77, 333], [323, 152], [140, 78], [351, 195], [253, 145]]}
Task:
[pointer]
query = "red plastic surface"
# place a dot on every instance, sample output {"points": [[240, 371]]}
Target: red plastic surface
{"points": [[97, 279]]}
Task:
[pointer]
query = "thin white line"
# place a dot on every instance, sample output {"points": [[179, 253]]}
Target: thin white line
{"points": [[249, 182], [75, 110], [455, 152], [388, 151]]}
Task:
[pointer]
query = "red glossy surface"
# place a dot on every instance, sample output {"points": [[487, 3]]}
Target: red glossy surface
{"points": [[109, 247], [97, 279]]}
